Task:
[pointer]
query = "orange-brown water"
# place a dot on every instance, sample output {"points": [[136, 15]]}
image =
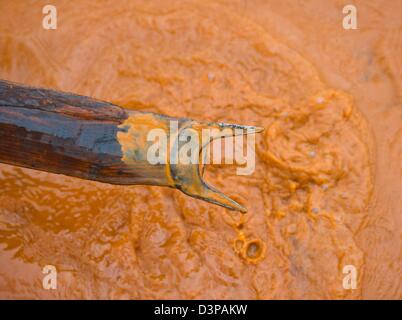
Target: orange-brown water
{"points": [[326, 190]]}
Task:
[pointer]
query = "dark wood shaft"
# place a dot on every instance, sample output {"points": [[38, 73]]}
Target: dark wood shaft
{"points": [[67, 134]]}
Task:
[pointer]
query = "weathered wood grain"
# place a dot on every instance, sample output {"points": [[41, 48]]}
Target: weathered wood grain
{"points": [[67, 134]]}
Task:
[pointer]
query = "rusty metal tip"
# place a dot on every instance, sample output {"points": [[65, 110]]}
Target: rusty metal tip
{"points": [[189, 178], [211, 195]]}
